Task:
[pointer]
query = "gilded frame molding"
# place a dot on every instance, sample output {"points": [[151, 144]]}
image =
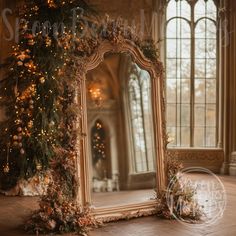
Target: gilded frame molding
{"points": [[87, 64]]}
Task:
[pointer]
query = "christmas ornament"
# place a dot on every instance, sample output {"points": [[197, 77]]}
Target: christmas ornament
{"points": [[48, 42], [38, 166], [22, 56], [19, 129], [20, 63], [28, 36], [22, 151], [42, 80], [15, 143], [51, 4], [18, 121], [31, 42], [15, 137], [6, 168], [30, 124], [51, 124]]}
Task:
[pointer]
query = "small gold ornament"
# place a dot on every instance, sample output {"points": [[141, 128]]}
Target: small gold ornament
{"points": [[39, 166], [47, 179], [19, 129], [31, 102], [31, 107], [20, 63], [15, 137], [15, 143], [30, 124], [6, 168], [18, 122], [51, 4], [31, 42], [51, 124], [20, 145], [42, 80], [48, 42], [22, 151], [22, 56]]}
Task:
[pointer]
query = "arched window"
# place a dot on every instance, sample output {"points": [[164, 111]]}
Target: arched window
{"points": [[140, 107], [191, 72]]}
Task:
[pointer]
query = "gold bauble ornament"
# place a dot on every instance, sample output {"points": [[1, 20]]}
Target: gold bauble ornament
{"points": [[20, 145], [15, 137], [47, 179], [39, 166], [51, 124], [31, 42], [22, 151], [18, 122], [31, 102], [6, 168], [15, 143], [20, 63], [48, 42], [30, 124], [19, 129], [31, 107], [42, 80], [22, 56]]}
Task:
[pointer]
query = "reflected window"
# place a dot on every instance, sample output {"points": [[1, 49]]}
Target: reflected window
{"points": [[140, 107], [191, 73]]}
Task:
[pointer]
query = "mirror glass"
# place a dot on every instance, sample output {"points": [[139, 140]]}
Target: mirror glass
{"points": [[121, 144]]}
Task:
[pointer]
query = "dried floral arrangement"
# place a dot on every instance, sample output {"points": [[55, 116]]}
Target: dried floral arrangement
{"points": [[57, 210], [189, 211]]}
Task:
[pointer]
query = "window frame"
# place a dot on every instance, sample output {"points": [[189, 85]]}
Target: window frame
{"points": [[192, 24]]}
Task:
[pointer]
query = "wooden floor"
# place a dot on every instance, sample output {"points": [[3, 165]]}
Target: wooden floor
{"points": [[14, 209], [122, 197]]}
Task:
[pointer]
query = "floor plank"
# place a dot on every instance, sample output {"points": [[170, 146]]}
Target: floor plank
{"points": [[14, 209]]}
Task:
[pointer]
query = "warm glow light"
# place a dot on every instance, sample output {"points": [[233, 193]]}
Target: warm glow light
{"points": [[95, 94]]}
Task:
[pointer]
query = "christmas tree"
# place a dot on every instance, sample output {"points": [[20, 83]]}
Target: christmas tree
{"points": [[39, 90], [38, 97]]}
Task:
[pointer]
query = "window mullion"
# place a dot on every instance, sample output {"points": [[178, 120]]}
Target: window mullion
{"points": [[192, 76], [143, 122]]}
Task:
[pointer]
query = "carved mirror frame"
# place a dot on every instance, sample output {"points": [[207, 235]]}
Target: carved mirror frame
{"points": [[84, 190]]}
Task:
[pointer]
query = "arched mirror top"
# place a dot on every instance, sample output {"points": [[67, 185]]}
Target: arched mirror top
{"points": [[155, 68]]}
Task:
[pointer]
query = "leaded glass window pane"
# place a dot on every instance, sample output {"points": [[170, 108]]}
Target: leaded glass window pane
{"points": [[140, 106], [191, 72]]}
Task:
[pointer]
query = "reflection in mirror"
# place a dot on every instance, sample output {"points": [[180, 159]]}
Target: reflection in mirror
{"points": [[121, 140]]}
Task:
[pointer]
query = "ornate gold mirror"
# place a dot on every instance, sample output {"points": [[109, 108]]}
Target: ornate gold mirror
{"points": [[122, 154]]}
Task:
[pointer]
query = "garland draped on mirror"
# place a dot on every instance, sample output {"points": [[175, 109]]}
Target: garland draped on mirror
{"points": [[118, 37]]}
